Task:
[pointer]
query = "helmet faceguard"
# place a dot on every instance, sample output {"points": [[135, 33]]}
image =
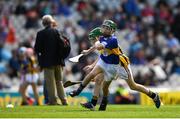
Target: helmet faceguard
{"points": [[109, 24]]}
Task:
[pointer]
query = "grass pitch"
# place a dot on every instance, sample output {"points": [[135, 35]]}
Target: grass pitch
{"points": [[113, 111]]}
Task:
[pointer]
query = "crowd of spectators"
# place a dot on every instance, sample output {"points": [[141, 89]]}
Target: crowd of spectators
{"points": [[148, 32]]}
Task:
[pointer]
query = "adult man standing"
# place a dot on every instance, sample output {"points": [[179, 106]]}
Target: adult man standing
{"points": [[48, 47]]}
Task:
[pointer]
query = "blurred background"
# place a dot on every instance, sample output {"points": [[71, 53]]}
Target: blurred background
{"points": [[148, 32]]}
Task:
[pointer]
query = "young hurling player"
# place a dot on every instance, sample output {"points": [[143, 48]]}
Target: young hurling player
{"points": [[114, 62], [93, 37], [97, 77]]}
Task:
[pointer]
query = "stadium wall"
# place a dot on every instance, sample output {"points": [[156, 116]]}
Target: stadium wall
{"points": [[167, 97]]}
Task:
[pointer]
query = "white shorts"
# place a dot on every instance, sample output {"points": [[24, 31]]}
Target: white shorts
{"points": [[31, 78], [113, 70]]}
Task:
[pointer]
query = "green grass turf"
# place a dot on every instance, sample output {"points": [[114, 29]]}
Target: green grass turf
{"points": [[113, 111]]}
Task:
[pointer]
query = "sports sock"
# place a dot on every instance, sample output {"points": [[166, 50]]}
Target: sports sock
{"points": [[105, 99], [103, 103], [81, 87], [94, 100], [152, 94]]}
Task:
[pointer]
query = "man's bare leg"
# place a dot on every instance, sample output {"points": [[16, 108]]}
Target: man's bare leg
{"points": [[138, 87], [104, 101], [98, 83], [96, 70]]}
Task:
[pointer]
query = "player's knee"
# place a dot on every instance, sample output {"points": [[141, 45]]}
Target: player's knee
{"points": [[133, 87], [98, 81]]}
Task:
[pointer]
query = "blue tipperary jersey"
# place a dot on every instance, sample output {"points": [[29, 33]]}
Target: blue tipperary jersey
{"points": [[111, 53]]}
